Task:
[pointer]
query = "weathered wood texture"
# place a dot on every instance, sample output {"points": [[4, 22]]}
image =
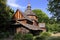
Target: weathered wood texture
{"points": [[21, 30], [18, 15]]}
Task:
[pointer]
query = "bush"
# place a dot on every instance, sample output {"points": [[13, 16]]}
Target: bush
{"points": [[38, 38], [18, 37], [53, 27], [43, 36], [28, 37], [4, 35], [54, 38], [23, 37]]}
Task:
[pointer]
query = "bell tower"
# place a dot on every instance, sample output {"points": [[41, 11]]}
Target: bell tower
{"points": [[30, 14]]}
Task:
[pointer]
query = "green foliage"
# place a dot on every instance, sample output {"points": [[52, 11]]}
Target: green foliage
{"points": [[2, 5], [42, 17], [43, 36], [28, 37], [4, 35], [46, 36], [53, 27], [38, 38], [54, 7], [18, 37], [52, 20], [54, 38], [5, 14], [23, 37]]}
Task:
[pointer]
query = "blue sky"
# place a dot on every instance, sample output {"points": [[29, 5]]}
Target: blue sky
{"points": [[35, 4]]}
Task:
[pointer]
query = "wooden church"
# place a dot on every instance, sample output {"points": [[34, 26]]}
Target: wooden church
{"points": [[25, 22]]}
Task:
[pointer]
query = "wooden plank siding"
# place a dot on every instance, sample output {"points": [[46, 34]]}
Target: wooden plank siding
{"points": [[21, 30], [35, 23], [24, 21], [18, 15], [33, 17]]}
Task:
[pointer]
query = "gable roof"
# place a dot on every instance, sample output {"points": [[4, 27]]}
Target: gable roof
{"points": [[29, 12], [15, 16]]}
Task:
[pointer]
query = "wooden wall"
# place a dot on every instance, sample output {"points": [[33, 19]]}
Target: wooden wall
{"points": [[35, 23], [33, 17], [21, 30], [18, 15], [24, 21]]}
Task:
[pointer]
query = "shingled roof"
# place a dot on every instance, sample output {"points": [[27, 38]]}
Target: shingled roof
{"points": [[24, 15], [30, 27], [28, 11]]}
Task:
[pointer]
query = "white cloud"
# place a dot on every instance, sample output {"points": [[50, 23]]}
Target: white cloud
{"points": [[15, 5], [12, 3]]}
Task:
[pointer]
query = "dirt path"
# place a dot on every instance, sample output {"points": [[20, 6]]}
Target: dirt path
{"points": [[57, 34]]}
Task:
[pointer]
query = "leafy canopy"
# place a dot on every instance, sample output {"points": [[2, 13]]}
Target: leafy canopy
{"points": [[54, 7], [42, 17]]}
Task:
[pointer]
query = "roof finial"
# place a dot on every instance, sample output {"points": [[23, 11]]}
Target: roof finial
{"points": [[29, 3]]}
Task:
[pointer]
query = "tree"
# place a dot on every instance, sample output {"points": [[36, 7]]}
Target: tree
{"points": [[42, 17], [54, 8], [53, 28], [5, 14]]}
